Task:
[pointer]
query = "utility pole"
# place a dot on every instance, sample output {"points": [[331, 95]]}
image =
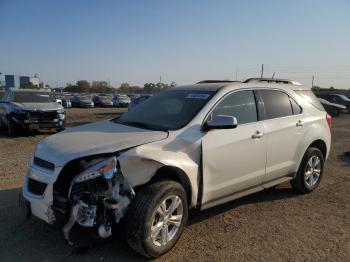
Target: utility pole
{"points": [[312, 82], [273, 75], [236, 74], [262, 70]]}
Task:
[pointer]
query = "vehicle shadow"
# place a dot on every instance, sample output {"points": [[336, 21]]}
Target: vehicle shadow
{"points": [[345, 157], [3, 133], [272, 194], [21, 238]]}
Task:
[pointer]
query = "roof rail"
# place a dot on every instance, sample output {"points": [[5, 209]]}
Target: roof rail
{"points": [[273, 80], [216, 81]]}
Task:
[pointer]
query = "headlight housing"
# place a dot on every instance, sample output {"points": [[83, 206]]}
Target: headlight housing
{"points": [[106, 168]]}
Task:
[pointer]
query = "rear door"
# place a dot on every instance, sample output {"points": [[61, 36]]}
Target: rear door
{"points": [[283, 124], [234, 159]]}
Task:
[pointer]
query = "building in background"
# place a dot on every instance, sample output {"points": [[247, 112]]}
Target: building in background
{"points": [[35, 81], [15, 81]]}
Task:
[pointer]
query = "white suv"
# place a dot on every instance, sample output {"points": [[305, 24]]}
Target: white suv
{"points": [[194, 146]]}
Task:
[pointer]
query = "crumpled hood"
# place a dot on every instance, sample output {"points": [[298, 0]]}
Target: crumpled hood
{"points": [[38, 106], [94, 138]]}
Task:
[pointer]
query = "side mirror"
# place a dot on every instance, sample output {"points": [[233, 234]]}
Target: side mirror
{"points": [[220, 122]]}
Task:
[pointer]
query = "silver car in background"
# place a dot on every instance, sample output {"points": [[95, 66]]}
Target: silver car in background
{"points": [[121, 101], [27, 110]]}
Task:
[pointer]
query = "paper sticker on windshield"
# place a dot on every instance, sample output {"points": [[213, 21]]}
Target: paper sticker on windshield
{"points": [[197, 96]]}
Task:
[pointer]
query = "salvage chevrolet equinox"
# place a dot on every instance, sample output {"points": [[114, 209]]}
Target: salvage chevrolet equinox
{"points": [[187, 147]]}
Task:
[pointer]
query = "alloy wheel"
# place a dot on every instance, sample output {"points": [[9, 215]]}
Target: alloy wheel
{"points": [[312, 171], [166, 220]]}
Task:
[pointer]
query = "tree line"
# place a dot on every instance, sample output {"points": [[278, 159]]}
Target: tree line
{"points": [[84, 86]]}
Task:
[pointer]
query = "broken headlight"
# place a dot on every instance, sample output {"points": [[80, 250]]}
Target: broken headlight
{"points": [[106, 168]]}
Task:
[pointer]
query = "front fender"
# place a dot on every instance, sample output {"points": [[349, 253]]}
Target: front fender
{"points": [[140, 164]]}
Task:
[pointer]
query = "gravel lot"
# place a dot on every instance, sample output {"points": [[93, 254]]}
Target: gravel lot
{"points": [[274, 225]]}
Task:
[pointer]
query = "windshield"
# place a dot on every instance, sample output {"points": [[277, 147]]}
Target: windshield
{"points": [[32, 97], [167, 110]]}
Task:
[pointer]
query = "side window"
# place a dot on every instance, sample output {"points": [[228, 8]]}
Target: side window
{"points": [[240, 104], [276, 103], [296, 108]]}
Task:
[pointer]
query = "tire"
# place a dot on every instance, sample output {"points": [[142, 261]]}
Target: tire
{"points": [[144, 214], [307, 178]]}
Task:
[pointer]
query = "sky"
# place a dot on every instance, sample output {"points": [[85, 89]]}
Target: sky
{"points": [[183, 41]]}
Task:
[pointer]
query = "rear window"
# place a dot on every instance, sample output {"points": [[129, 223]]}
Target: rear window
{"points": [[276, 103], [309, 96]]}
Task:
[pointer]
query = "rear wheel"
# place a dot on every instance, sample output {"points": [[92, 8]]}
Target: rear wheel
{"points": [[157, 218], [310, 171]]}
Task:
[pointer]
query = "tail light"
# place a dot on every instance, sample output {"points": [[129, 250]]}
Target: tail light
{"points": [[329, 120]]}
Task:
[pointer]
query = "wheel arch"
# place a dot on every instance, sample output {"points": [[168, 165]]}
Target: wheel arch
{"points": [[321, 145], [171, 173]]}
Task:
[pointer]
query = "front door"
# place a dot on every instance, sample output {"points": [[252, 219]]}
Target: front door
{"points": [[234, 159]]}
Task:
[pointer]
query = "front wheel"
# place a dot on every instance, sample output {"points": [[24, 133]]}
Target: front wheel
{"points": [[156, 218], [310, 171]]}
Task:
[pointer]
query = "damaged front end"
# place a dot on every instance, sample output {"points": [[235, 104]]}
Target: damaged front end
{"points": [[96, 198]]}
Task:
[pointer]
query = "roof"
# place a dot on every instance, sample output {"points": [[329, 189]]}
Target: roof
{"points": [[216, 81], [203, 86], [215, 85]]}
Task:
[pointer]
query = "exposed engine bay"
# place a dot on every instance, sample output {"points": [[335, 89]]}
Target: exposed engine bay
{"points": [[98, 197]]}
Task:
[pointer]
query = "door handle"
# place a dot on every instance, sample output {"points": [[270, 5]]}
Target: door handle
{"points": [[300, 123], [257, 135]]}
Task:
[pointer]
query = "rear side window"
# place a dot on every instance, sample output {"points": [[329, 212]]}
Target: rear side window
{"points": [[276, 104], [309, 96], [240, 105]]}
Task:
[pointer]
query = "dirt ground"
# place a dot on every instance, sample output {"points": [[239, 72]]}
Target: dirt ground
{"points": [[273, 225]]}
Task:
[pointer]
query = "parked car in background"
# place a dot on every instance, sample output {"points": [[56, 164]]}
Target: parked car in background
{"points": [[332, 108], [103, 100], [58, 100], [138, 101], [121, 101], [83, 101], [65, 101], [338, 99], [30, 110], [133, 96], [187, 147]]}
